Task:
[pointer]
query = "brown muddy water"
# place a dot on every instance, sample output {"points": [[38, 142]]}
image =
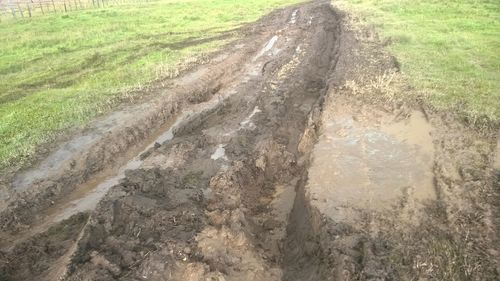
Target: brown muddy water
{"points": [[369, 162]]}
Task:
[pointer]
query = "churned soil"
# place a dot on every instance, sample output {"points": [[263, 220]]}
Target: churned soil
{"points": [[286, 157]]}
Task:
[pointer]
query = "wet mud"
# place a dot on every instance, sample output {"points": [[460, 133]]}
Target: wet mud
{"points": [[271, 162]]}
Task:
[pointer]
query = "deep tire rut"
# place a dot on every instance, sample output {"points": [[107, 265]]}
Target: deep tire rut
{"points": [[199, 204]]}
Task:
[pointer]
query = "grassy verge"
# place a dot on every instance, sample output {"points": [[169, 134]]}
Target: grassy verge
{"points": [[61, 70], [449, 50]]}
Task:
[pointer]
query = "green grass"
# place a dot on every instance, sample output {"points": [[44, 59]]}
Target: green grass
{"points": [[450, 50], [60, 71]]}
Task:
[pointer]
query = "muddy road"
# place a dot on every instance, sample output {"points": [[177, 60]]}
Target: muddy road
{"points": [[273, 161]]}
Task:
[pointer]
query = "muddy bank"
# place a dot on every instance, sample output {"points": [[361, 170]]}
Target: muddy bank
{"points": [[396, 190]]}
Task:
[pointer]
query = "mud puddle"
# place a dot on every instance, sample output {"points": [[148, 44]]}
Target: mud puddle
{"points": [[365, 161], [267, 47], [85, 197]]}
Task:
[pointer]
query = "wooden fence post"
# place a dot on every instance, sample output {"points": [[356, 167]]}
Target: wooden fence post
{"points": [[41, 7], [12, 9], [20, 10], [65, 10], [29, 8]]}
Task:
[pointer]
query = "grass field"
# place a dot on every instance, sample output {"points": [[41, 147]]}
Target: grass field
{"points": [[61, 70], [450, 50]]}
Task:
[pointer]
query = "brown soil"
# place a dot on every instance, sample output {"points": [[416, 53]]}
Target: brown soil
{"points": [[284, 158]]}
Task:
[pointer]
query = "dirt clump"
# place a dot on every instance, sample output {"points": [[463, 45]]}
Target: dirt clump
{"points": [[36, 255]]}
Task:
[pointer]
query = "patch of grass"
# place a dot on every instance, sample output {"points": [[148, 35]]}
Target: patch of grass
{"points": [[61, 70], [450, 50], [433, 250]]}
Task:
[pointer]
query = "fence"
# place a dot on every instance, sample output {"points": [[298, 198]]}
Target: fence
{"points": [[30, 8]]}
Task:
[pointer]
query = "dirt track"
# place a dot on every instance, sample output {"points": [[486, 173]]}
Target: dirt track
{"points": [[271, 162]]}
